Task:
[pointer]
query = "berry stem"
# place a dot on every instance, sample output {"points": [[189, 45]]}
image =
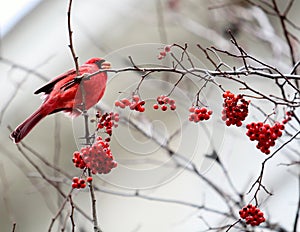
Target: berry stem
{"points": [[88, 142], [94, 210]]}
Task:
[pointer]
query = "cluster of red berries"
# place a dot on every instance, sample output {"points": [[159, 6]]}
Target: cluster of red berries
{"points": [[288, 117], [80, 183], [135, 104], [163, 101], [199, 114], [235, 109], [264, 134], [252, 215], [78, 161], [98, 157], [163, 53], [107, 121]]}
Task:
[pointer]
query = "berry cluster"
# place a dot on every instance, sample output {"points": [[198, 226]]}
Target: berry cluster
{"points": [[107, 121], [252, 215], [264, 134], [80, 183], [135, 104], [163, 101], [288, 117], [78, 161], [199, 114], [163, 53], [235, 109], [98, 157]]}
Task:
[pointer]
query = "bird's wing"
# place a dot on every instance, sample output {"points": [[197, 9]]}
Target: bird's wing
{"points": [[47, 88]]}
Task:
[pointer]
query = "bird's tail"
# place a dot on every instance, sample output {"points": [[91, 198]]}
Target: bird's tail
{"points": [[25, 127]]}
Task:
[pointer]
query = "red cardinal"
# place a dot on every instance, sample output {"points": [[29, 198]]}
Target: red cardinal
{"points": [[63, 93]]}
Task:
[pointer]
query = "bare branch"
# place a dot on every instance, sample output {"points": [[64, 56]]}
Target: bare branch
{"points": [[70, 32], [298, 208]]}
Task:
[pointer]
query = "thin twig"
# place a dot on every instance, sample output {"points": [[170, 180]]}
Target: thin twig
{"points": [[24, 68], [14, 227], [232, 225], [59, 212], [286, 33], [94, 207], [70, 32], [298, 208], [72, 213]]}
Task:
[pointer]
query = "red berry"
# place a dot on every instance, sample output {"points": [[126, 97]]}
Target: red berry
{"points": [[238, 123], [192, 109], [155, 106], [163, 53], [125, 101], [167, 48], [141, 109], [171, 102], [203, 110], [228, 122], [164, 107], [160, 100], [206, 116], [191, 117], [121, 105], [89, 179], [166, 100], [135, 98], [197, 111]]}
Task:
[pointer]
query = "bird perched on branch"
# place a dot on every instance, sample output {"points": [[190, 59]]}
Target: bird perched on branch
{"points": [[68, 92]]}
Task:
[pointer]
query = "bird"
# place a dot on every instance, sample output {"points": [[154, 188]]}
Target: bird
{"points": [[64, 93]]}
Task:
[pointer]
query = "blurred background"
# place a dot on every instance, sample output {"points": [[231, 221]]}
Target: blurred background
{"points": [[34, 49]]}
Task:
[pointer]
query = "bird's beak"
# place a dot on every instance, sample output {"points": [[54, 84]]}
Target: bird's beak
{"points": [[106, 65]]}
